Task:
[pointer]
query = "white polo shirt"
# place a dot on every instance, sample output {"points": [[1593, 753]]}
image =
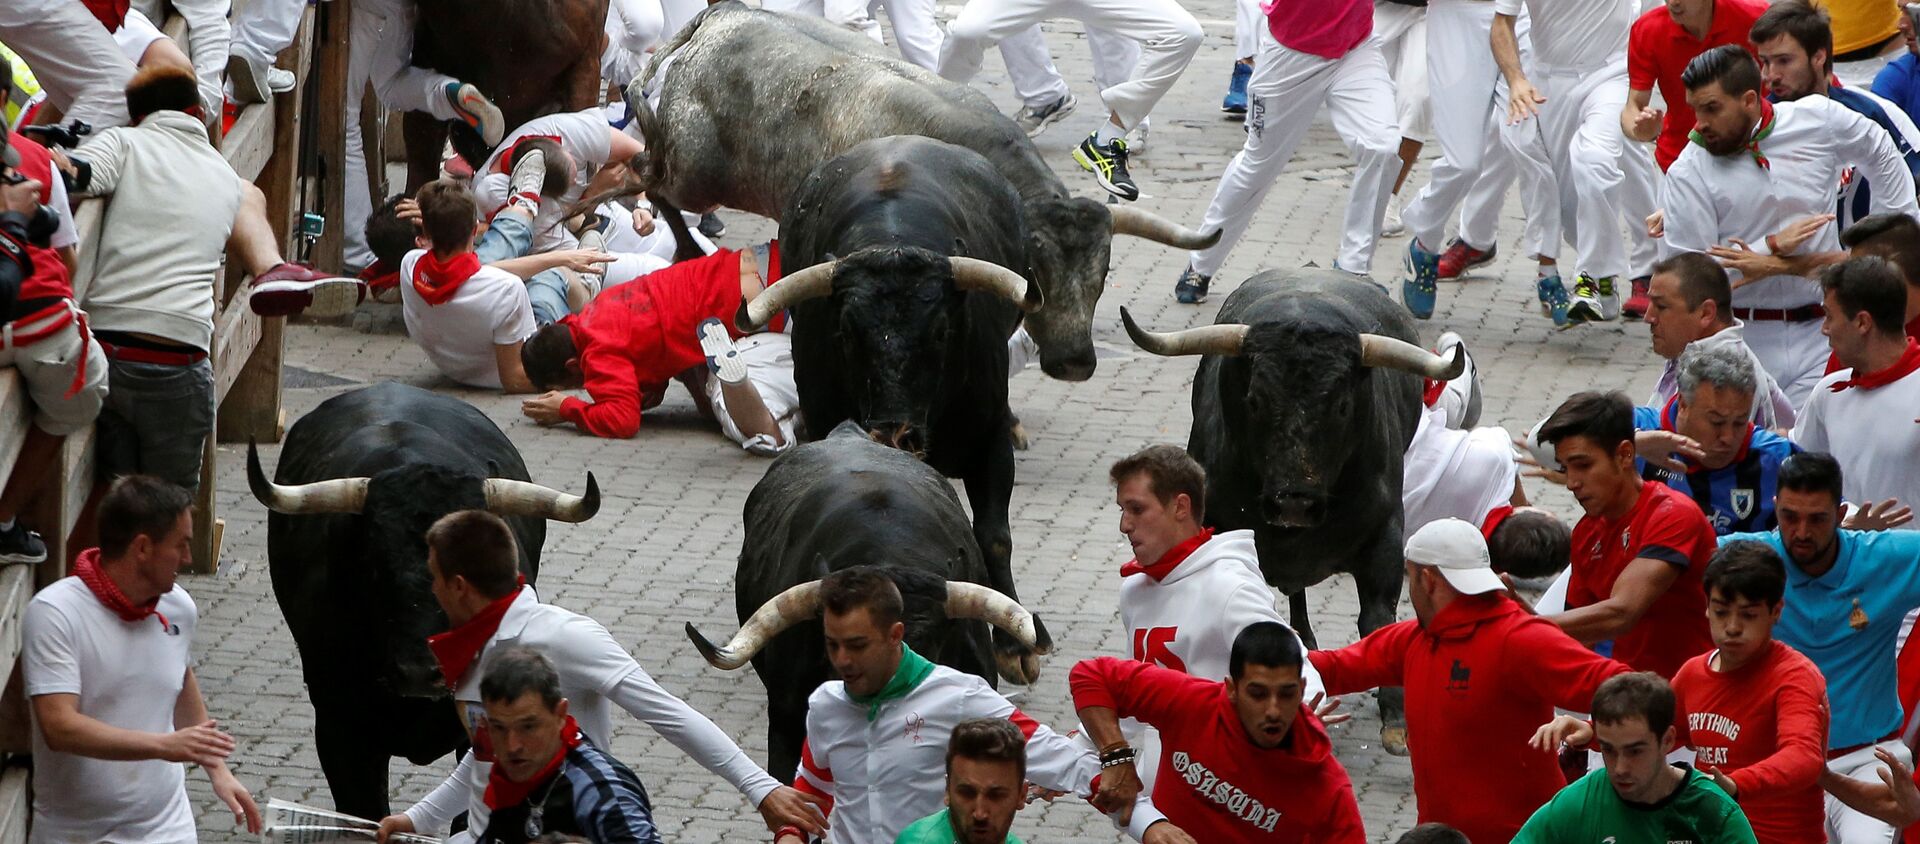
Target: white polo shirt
{"points": [[491, 308], [1872, 433], [128, 674]]}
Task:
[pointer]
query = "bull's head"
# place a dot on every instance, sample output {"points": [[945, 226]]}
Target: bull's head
{"points": [[897, 309], [397, 506], [1305, 398], [1069, 246]]}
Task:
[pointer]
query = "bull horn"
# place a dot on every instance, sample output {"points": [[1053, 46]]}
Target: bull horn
{"points": [[507, 497], [797, 604], [989, 277], [1219, 339], [1377, 351], [971, 600], [811, 283], [341, 495], [1150, 226]]}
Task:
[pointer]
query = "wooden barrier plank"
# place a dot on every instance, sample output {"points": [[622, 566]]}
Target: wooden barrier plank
{"points": [[16, 589], [16, 414], [14, 807], [249, 143]]}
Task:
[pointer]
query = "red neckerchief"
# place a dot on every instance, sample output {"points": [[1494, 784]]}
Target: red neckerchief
{"points": [[112, 14], [87, 568], [1430, 394], [1905, 366], [381, 275], [1494, 517], [436, 281], [1670, 416], [503, 793], [501, 165], [1174, 557], [456, 648]]}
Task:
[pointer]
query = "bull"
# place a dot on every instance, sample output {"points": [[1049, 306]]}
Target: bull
{"points": [[905, 332], [837, 503], [360, 480], [1305, 400], [752, 101]]}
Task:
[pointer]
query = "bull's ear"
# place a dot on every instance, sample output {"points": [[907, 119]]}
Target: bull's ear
{"points": [[493, 469], [959, 246]]}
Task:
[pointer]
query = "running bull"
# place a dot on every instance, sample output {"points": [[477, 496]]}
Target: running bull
{"points": [[751, 101], [905, 332], [834, 504], [360, 480], [1303, 406]]}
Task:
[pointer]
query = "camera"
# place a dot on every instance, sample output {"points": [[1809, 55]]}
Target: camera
{"points": [[43, 221]]}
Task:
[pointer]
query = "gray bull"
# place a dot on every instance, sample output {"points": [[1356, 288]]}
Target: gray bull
{"points": [[752, 101]]}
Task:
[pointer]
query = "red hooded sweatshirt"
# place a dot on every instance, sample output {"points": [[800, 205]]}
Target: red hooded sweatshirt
{"points": [[633, 337], [1480, 678], [1214, 782]]}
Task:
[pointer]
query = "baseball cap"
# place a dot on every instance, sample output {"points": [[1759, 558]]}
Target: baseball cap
{"points": [[1459, 552]]}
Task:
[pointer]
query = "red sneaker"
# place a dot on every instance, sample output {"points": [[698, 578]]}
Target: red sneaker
{"points": [[1638, 302], [1460, 257], [290, 289]]}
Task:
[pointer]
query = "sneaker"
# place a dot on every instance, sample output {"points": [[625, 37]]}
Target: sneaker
{"points": [[1461, 257], [1420, 289], [1191, 289], [1638, 300], [290, 289], [477, 111], [1553, 299], [1390, 223], [1108, 164], [1593, 300], [529, 173], [19, 545], [1137, 138], [723, 359], [1033, 120], [1235, 102], [711, 225], [251, 83], [279, 81]]}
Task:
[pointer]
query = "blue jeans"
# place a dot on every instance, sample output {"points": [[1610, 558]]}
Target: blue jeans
{"points": [[511, 237]]}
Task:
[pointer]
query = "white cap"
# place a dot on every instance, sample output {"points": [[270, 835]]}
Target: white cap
{"points": [[1458, 550]]}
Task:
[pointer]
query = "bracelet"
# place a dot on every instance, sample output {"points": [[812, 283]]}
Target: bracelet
{"points": [[1116, 759], [1114, 750], [789, 830]]}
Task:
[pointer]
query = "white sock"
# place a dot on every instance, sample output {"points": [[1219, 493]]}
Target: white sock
{"points": [[7, 525], [1107, 133]]}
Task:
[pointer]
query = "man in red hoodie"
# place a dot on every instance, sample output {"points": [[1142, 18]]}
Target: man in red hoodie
{"points": [[1240, 761], [1478, 670]]}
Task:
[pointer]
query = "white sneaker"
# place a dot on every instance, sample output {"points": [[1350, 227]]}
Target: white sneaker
{"points": [[1390, 225], [723, 360], [279, 81]]}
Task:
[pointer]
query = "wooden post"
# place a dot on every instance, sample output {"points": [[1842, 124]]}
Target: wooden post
{"points": [[326, 187]]}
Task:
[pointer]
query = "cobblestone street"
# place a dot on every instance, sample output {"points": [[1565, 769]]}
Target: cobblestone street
{"points": [[662, 550]]}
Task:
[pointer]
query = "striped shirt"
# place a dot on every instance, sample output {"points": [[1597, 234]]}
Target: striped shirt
{"points": [[1737, 497]]}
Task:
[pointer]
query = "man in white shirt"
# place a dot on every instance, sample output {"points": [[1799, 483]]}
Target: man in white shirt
{"points": [[1580, 62], [1690, 301], [474, 563], [1752, 166], [108, 663], [1864, 414], [579, 147]]}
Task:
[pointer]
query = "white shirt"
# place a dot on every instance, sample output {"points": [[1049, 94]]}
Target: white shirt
{"points": [[1871, 433], [128, 674], [1574, 34], [490, 309], [1187, 620], [596, 674], [1709, 199], [1450, 473], [889, 772], [586, 138]]}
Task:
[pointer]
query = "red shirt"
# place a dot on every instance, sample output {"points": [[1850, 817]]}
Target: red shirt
{"points": [[1658, 51], [633, 337], [1663, 525], [50, 278], [1214, 782], [1480, 677], [1765, 726]]}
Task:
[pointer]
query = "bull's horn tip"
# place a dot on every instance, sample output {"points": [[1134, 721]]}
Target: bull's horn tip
{"points": [[1208, 241], [1457, 364], [707, 651], [742, 321]]}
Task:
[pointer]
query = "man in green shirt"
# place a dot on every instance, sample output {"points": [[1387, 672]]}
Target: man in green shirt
{"points": [[1638, 796], [986, 785]]}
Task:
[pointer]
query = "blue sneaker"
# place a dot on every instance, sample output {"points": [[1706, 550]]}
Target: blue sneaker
{"points": [[1421, 286], [1236, 100], [1191, 289], [1553, 299]]}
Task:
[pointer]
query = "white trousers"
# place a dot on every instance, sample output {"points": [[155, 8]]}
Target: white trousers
{"points": [[1638, 192], [72, 55], [1579, 127], [263, 28], [381, 36], [1402, 30], [1846, 826], [1794, 353], [1512, 156], [678, 14], [1248, 21], [769, 360], [1167, 34], [1038, 82], [208, 34], [1286, 91], [1460, 84], [914, 26]]}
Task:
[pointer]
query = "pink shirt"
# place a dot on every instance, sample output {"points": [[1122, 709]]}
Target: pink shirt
{"points": [[1324, 28]]}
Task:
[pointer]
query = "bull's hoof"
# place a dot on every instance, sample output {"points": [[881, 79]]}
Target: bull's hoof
{"points": [[1394, 740], [1020, 668], [1020, 439]]}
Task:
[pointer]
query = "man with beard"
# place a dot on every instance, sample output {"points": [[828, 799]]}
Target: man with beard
{"points": [[1751, 167], [1847, 591]]}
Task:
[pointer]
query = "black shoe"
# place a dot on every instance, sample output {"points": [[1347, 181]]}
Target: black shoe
{"points": [[711, 225], [1191, 289], [1108, 164], [19, 545]]}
